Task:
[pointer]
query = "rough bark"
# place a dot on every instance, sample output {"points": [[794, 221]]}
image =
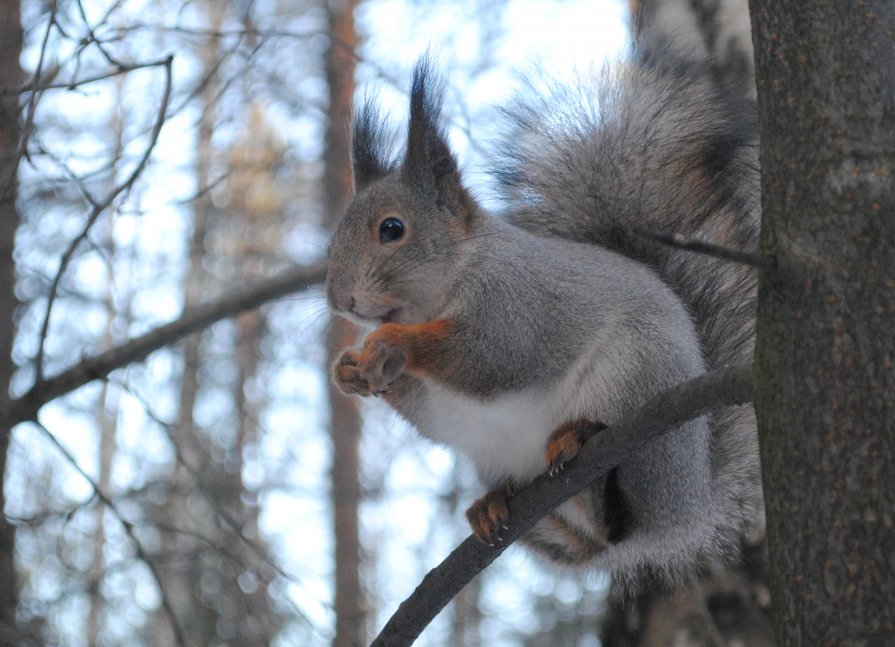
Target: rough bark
{"points": [[824, 360], [345, 420], [10, 77]]}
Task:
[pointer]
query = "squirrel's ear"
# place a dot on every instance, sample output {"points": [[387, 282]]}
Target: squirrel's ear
{"points": [[372, 145], [429, 164]]}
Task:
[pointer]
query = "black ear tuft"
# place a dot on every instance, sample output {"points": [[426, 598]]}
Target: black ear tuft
{"points": [[429, 164], [424, 133], [372, 145]]}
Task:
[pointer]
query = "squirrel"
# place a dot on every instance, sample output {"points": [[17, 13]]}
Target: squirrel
{"points": [[507, 336]]}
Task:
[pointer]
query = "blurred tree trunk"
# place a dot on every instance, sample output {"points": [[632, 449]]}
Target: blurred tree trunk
{"points": [[10, 77], [345, 420], [106, 416], [724, 606], [718, 30], [466, 616], [183, 576], [255, 619], [107, 403], [727, 603], [825, 391], [253, 219]]}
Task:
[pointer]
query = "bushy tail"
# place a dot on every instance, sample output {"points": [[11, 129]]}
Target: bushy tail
{"points": [[655, 144]]}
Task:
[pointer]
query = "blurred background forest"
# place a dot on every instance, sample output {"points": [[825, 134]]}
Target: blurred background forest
{"points": [[156, 156]]}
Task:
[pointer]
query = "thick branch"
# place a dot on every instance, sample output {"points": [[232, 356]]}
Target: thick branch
{"points": [[722, 387], [193, 320]]}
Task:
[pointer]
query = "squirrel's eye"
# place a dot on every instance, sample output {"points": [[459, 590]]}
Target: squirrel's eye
{"points": [[390, 230]]}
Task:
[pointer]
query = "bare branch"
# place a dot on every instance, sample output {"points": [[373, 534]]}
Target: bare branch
{"points": [[128, 529], [193, 320], [234, 524], [75, 83], [99, 208], [93, 39], [32, 100], [721, 387], [678, 241], [219, 33]]}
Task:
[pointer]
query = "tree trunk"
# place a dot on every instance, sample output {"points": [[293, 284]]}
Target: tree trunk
{"points": [[345, 421], [10, 77], [825, 387]]}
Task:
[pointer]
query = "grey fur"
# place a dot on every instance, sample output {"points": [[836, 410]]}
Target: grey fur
{"points": [[658, 145], [560, 293]]}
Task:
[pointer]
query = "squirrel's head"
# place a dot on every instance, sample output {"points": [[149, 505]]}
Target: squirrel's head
{"points": [[396, 251]]}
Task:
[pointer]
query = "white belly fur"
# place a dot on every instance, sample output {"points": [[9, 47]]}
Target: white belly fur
{"points": [[506, 436], [503, 437]]}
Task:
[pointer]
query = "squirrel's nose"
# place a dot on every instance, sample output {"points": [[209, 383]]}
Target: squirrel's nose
{"points": [[338, 300], [344, 305]]}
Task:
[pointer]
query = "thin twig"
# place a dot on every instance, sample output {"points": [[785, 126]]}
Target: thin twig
{"points": [[128, 528], [75, 83], [99, 209], [71, 175], [678, 241], [220, 33], [32, 100], [206, 491], [93, 39], [721, 387]]}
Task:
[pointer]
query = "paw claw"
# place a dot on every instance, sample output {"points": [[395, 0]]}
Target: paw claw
{"points": [[487, 515], [564, 444]]}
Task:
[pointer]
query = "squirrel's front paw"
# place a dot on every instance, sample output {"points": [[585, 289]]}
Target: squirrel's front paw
{"points": [[347, 376], [370, 370]]}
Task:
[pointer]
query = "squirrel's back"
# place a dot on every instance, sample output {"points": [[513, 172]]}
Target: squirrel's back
{"points": [[656, 144]]}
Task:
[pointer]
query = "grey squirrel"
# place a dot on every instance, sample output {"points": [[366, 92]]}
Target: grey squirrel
{"points": [[501, 335]]}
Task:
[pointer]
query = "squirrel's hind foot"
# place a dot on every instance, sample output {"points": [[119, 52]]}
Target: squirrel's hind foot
{"points": [[488, 515], [566, 440]]}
